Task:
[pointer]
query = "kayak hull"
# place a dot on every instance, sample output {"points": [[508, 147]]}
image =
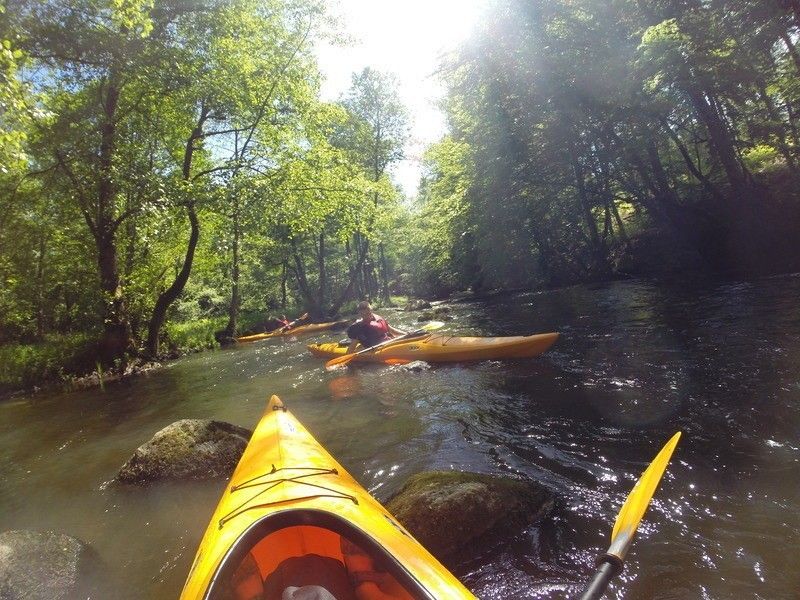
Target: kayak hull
{"points": [[287, 498], [299, 330], [445, 348]]}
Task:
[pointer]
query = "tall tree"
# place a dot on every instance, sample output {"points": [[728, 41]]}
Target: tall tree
{"points": [[377, 135]]}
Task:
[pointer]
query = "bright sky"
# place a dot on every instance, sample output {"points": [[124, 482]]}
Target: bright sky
{"points": [[405, 38]]}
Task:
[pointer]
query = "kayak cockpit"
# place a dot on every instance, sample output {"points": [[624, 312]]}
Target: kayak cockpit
{"points": [[313, 555]]}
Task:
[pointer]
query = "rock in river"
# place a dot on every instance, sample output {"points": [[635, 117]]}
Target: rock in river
{"points": [[451, 512], [187, 449], [416, 304], [42, 565]]}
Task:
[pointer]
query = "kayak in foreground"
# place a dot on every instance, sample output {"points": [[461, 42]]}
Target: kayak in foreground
{"points": [[448, 348], [292, 517], [310, 328]]}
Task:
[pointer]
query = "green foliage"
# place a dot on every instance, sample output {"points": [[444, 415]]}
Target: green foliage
{"points": [[56, 357], [191, 336], [581, 123]]}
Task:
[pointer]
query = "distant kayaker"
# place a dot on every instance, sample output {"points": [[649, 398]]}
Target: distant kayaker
{"points": [[288, 326], [370, 329]]}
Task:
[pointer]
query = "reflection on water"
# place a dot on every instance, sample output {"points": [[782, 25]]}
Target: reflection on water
{"points": [[636, 362]]}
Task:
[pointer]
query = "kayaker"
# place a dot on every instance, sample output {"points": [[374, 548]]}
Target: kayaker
{"points": [[287, 325], [370, 329]]}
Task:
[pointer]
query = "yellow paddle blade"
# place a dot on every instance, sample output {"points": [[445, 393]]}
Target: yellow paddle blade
{"points": [[638, 500]]}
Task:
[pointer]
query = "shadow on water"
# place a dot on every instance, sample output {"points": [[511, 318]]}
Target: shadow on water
{"points": [[636, 361]]}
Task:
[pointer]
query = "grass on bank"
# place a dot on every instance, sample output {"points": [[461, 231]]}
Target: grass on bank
{"points": [[61, 356], [56, 357]]}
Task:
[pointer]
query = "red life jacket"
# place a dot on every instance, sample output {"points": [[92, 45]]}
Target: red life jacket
{"points": [[369, 333]]}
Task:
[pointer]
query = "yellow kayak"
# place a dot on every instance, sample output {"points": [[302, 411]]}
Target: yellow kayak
{"points": [[448, 348], [300, 329], [292, 521]]}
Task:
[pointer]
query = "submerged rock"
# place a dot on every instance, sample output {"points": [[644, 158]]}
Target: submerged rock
{"points": [[415, 366], [43, 565], [187, 449], [452, 513], [416, 304]]}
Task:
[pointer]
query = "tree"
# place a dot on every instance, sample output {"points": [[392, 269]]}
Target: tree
{"points": [[376, 135]]}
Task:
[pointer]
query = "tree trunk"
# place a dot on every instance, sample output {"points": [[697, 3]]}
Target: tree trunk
{"points": [[40, 286], [166, 298], [710, 188], [721, 142], [322, 274], [343, 297], [116, 340], [385, 298], [792, 49], [233, 309], [301, 278], [283, 284], [115, 343], [591, 224], [618, 218], [779, 132]]}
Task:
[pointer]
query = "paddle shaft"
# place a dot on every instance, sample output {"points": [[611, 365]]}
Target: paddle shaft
{"points": [[399, 338], [609, 566], [597, 586]]}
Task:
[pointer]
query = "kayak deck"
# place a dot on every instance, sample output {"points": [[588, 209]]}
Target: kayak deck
{"points": [[300, 329], [448, 348], [293, 516]]}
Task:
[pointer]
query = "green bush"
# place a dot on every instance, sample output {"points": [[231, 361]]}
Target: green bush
{"points": [[26, 365], [194, 335]]}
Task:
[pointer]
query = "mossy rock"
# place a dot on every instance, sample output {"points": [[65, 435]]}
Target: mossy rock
{"points": [[44, 565], [453, 513], [187, 449], [416, 304]]}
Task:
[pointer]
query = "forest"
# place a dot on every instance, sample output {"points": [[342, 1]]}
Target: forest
{"points": [[170, 175]]}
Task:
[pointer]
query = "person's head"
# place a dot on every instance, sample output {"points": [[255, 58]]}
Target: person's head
{"points": [[365, 310]]}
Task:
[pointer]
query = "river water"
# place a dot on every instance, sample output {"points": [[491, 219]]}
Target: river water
{"points": [[636, 361]]}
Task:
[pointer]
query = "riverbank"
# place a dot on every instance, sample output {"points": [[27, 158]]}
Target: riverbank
{"points": [[70, 361]]}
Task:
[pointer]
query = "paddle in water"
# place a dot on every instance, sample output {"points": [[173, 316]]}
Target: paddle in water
{"points": [[609, 565], [341, 361]]}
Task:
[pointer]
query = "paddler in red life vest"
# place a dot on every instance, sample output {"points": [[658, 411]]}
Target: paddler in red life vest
{"points": [[370, 329]]}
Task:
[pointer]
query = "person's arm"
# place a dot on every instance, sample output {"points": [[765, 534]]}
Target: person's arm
{"points": [[395, 332], [352, 333]]}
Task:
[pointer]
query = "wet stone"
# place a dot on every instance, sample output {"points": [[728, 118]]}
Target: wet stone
{"points": [[43, 565], [453, 513], [187, 449]]}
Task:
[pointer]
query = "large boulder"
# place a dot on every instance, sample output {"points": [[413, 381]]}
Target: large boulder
{"points": [[43, 566], [453, 513], [187, 449]]}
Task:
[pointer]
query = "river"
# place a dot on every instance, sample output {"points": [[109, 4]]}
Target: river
{"points": [[636, 361]]}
